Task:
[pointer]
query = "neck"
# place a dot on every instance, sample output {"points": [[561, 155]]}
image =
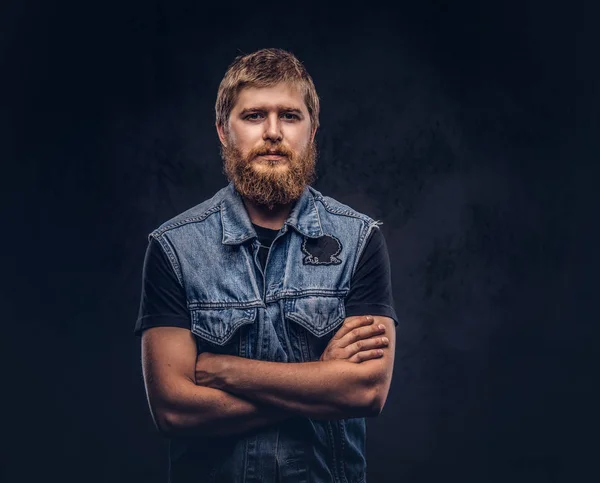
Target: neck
{"points": [[261, 215]]}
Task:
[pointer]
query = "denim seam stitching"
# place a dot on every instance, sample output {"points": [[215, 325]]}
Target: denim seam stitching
{"points": [[345, 212], [342, 432], [170, 252], [333, 447], [307, 325], [235, 241], [225, 305], [361, 242], [317, 214], [245, 459], [292, 293], [193, 219], [221, 340]]}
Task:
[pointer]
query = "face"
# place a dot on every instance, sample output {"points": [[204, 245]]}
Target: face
{"points": [[268, 144]]}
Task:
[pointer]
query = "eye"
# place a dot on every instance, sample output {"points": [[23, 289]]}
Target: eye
{"points": [[289, 116], [253, 116]]}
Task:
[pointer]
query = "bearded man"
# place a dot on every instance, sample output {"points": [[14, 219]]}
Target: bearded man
{"points": [[266, 316]]}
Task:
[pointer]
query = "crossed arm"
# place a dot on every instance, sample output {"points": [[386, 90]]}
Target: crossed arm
{"points": [[219, 394]]}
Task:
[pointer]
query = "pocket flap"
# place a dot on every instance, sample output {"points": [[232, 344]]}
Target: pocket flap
{"points": [[219, 325], [319, 315]]}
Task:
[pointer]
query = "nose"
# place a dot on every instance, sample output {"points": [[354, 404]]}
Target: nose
{"points": [[272, 129]]}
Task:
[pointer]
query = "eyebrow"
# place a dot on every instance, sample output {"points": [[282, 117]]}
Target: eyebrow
{"points": [[266, 108]]}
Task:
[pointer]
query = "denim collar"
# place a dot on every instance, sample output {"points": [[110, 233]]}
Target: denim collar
{"points": [[237, 227]]}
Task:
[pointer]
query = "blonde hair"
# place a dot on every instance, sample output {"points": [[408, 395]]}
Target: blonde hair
{"points": [[265, 68]]}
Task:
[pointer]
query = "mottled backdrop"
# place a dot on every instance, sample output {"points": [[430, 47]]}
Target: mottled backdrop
{"points": [[467, 127]]}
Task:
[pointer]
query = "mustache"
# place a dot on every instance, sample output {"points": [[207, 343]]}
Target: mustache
{"points": [[265, 150]]}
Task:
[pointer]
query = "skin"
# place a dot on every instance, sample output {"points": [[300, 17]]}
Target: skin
{"points": [[324, 389], [274, 114], [183, 393], [192, 393]]}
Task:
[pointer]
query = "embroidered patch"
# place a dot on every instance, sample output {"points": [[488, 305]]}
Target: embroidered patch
{"points": [[321, 251]]}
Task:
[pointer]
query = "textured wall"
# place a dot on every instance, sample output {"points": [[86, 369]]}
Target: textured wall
{"points": [[466, 128]]}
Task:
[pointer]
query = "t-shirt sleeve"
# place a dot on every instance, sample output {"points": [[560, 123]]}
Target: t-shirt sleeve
{"points": [[163, 301], [371, 286]]}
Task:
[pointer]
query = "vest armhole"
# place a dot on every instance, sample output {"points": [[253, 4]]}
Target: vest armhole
{"points": [[374, 224], [170, 252]]}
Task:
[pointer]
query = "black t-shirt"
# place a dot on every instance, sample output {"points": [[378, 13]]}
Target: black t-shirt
{"points": [[163, 300]]}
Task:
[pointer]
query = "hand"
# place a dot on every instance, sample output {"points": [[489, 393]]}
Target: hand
{"points": [[357, 341], [211, 369]]}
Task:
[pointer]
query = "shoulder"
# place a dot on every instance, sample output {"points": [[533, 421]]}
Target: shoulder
{"points": [[195, 214], [376, 249], [336, 208]]}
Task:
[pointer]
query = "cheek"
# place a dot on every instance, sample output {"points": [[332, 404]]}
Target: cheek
{"points": [[247, 139], [298, 140], [302, 145]]}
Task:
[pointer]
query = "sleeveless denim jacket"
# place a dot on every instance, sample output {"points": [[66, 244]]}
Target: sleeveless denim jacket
{"points": [[288, 313]]}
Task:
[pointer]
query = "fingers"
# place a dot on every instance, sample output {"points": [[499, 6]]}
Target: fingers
{"points": [[368, 344], [366, 355], [358, 339], [352, 323], [362, 333]]}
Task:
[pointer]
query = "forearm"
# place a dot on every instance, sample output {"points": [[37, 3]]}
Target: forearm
{"points": [[209, 411], [320, 390]]}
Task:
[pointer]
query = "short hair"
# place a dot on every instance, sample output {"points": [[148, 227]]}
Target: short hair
{"points": [[265, 68]]}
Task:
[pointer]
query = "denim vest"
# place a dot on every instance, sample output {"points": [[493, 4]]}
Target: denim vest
{"points": [[288, 313]]}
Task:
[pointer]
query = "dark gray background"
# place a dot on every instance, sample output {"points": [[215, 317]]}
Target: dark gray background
{"points": [[466, 127]]}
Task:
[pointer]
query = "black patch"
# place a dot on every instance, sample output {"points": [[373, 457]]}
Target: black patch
{"points": [[321, 251]]}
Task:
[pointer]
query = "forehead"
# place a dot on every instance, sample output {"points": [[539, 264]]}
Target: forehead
{"points": [[282, 94]]}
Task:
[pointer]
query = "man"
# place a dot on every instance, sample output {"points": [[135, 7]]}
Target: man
{"points": [[266, 315]]}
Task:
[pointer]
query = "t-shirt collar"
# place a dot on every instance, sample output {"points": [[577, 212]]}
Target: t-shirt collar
{"points": [[237, 227]]}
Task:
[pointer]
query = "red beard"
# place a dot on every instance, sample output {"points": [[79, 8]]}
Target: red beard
{"points": [[272, 186]]}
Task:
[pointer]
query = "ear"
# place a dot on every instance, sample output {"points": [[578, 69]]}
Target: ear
{"points": [[221, 133], [312, 136]]}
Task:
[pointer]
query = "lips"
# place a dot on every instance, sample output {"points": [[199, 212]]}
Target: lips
{"points": [[272, 157]]}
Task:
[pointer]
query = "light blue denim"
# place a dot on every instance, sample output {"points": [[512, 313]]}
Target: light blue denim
{"points": [[286, 314]]}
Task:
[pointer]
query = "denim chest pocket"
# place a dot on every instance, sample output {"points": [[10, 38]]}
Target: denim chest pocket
{"points": [[314, 320], [217, 328]]}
